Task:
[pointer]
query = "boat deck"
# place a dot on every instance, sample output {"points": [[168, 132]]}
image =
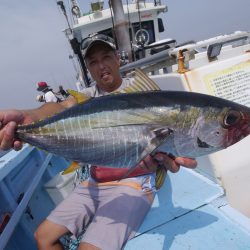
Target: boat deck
{"points": [[191, 212]]}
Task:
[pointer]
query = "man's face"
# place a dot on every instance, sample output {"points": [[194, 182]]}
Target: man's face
{"points": [[103, 64]]}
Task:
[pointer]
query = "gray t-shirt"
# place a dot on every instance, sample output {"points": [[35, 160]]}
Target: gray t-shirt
{"points": [[94, 91]]}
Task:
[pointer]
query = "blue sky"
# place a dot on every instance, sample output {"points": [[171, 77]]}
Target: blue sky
{"points": [[33, 47]]}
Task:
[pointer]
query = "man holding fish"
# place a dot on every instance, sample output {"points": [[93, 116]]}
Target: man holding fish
{"points": [[110, 206]]}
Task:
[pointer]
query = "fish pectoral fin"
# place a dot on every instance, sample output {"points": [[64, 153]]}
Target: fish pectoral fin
{"points": [[80, 97], [73, 166], [159, 136], [140, 83]]}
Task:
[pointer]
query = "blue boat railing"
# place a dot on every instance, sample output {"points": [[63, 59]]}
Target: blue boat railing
{"points": [[19, 211]]}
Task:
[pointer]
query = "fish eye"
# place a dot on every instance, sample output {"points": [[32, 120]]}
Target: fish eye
{"points": [[232, 118]]}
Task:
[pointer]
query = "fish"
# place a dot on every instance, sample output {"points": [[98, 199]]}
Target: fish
{"points": [[121, 129]]}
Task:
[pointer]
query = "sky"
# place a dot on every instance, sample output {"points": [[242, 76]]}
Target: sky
{"points": [[33, 47]]}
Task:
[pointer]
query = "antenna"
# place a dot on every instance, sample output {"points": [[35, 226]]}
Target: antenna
{"points": [[61, 5]]}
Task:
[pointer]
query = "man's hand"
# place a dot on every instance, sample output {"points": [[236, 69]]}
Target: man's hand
{"points": [[8, 123], [11, 118], [162, 159]]}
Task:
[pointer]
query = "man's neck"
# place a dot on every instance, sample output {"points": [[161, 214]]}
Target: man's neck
{"points": [[112, 88]]}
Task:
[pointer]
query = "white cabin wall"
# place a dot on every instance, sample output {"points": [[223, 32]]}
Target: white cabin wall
{"points": [[231, 166]]}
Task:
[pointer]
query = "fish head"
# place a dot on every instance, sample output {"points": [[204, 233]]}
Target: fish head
{"points": [[237, 124], [219, 129], [209, 130]]}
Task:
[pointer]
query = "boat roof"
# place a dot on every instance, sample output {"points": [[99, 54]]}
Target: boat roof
{"points": [[98, 21]]}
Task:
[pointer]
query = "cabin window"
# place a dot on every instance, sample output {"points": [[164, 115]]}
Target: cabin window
{"points": [[148, 26], [160, 25]]}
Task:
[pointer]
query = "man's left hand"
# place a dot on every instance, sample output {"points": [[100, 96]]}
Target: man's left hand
{"points": [[163, 159]]}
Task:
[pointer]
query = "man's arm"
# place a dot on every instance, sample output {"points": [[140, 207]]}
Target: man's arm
{"points": [[11, 118], [48, 109]]}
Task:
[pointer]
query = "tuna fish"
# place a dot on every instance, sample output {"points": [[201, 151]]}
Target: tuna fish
{"points": [[120, 130]]}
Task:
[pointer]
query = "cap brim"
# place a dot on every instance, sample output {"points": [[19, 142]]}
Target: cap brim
{"points": [[42, 88], [85, 51]]}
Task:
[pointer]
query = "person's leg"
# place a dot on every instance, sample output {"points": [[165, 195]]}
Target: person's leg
{"points": [[71, 215], [118, 216], [47, 235], [87, 246]]}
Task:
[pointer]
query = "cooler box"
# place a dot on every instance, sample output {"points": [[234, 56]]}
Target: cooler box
{"points": [[60, 186]]}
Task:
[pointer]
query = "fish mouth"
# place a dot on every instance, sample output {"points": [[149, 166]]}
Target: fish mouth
{"points": [[246, 129], [239, 132], [202, 144]]}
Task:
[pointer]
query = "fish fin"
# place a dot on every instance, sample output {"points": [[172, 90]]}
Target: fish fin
{"points": [[140, 83], [160, 135], [80, 97], [161, 174], [73, 166]]}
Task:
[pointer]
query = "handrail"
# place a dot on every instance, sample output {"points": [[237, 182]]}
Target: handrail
{"points": [[161, 56], [6, 234], [170, 55], [236, 36]]}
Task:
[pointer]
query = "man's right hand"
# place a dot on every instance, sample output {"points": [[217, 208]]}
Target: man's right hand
{"points": [[8, 123], [9, 119]]}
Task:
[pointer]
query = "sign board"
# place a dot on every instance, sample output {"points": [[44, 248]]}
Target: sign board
{"points": [[232, 83]]}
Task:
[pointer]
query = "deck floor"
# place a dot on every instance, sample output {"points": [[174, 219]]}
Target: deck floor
{"points": [[189, 213]]}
